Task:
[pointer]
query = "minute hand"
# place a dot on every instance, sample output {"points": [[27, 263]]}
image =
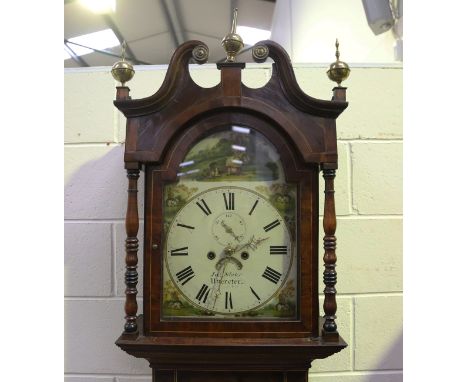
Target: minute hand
{"points": [[252, 244]]}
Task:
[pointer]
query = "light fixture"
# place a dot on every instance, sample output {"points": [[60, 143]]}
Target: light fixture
{"points": [[253, 35], [379, 15], [97, 40], [99, 6]]}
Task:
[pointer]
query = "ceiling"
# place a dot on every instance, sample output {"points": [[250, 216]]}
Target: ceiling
{"points": [[154, 28]]}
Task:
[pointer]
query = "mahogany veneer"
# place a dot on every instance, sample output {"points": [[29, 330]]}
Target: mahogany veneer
{"points": [[160, 130]]}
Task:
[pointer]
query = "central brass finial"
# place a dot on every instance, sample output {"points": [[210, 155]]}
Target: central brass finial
{"points": [[232, 42]]}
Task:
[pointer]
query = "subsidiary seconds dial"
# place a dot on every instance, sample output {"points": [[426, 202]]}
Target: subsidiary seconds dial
{"points": [[228, 250]]}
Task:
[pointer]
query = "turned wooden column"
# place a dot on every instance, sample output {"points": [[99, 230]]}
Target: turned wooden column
{"points": [[329, 257], [131, 247]]}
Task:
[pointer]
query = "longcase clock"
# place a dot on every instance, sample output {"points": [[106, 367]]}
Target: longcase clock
{"points": [[231, 223]]}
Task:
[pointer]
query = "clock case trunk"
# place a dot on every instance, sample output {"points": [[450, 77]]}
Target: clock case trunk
{"points": [[160, 130]]}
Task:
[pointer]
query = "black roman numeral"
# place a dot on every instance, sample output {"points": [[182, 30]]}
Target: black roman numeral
{"points": [[179, 251], [254, 293], [185, 275], [185, 226], [272, 275], [228, 300], [206, 210], [229, 200], [203, 293], [278, 250], [271, 225], [253, 207]]}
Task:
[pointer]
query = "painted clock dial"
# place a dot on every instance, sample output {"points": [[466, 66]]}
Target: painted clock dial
{"points": [[230, 232], [228, 250]]}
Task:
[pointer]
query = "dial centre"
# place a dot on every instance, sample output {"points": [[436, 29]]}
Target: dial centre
{"points": [[228, 229]]}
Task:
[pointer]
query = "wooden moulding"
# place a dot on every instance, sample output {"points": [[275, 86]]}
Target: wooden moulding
{"points": [[154, 121], [306, 179], [291, 89], [178, 76], [247, 354]]}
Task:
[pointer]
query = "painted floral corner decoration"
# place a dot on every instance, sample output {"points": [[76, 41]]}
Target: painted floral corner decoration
{"points": [[175, 197], [283, 197]]}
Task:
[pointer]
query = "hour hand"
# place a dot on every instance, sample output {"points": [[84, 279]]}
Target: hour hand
{"points": [[229, 230]]}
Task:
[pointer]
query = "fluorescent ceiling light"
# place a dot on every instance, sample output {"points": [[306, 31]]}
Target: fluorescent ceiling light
{"points": [[66, 55], [99, 6], [98, 40], [252, 35]]}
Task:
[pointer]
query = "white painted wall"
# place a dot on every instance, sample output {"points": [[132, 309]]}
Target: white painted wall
{"points": [[368, 205], [308, 29]]}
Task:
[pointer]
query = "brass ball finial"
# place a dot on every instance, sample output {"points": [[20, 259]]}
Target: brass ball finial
{"points": [[232, 42], [122, 70], [339, 70]]}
